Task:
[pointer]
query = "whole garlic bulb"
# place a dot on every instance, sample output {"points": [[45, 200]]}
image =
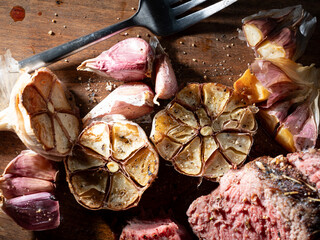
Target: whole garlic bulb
{"points": [[43, 114]]}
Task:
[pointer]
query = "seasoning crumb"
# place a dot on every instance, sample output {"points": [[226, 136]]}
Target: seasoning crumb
{"points": [[180, 42], [56, 14], [138, 36], [147, 35], [51, 32], [205, 77], [64, 26], [118, 18], [133, 8], [125, 34], [79, 78], [53, 20], [193, 45], [66, 60], [184, 53], [195, 60], [228, 55], [217, 39]]}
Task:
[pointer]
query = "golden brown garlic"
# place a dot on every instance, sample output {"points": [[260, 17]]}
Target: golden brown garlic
{"points": [[205, 130], [112, 165], [43, 114]]}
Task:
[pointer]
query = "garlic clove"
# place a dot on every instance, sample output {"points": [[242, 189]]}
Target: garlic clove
{"points": [[12, 186], [166, 85], [279, 32], [132, 100], [32, 165], [35, 212], [26, 187], [128, 60]]}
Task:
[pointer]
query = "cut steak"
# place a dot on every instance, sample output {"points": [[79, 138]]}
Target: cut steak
{"points": [[269, 198], [162, 229]]}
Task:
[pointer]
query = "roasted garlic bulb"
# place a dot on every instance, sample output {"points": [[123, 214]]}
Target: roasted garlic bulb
{"points": [[205, 130], [112, 164], [43, 114]]}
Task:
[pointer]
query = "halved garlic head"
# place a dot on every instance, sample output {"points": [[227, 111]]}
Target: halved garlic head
{"points": [[111, 166], [205, 130], [43, 114]]}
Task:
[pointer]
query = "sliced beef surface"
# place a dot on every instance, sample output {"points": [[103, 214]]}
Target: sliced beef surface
{"points": [[269, 198], [160, 229]]}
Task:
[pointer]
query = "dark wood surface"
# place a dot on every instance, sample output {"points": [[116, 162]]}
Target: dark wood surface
{"points": [[197, 52]]}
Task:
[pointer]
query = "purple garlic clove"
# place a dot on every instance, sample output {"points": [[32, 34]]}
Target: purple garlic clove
{"points": [[128, 60], [18, 186], [35, 212], [132, 100], [26, 188], [166, 85], [32, 165]]}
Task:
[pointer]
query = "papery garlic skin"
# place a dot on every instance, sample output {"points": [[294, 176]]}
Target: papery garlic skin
{"points": [[9, 73], [279, 32], [27, 187], [132, 100], [128, 60], [43, 114]]}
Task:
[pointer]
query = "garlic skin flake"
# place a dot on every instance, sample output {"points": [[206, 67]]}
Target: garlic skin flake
{"points": [[26, 189], [9, 73], [43, 114], [128, 60], [279, 32]]}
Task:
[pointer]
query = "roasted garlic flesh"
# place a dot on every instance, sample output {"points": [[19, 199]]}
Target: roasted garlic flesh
{"points": [[112, 165], [206, 130]]}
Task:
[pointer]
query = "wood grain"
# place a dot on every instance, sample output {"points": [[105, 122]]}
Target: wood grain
{"points": [[197, 52]]}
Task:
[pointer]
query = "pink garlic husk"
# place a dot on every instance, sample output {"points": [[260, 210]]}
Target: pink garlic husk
{"points": [[34, 212], [279, 32], [26, 191], [294, 98], [132, 100], [166, 85], [128, 60], [43, 113]]}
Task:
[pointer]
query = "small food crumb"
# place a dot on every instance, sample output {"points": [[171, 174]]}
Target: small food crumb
{"points": [[195, 60], [228, 55], [184, 53], [118, 18], [51, 32], [138, 36], [133, 8], [64, 26], [126, 34], [181, 42], [193, 45], [56, 14], [66, 60], [53, 20]]}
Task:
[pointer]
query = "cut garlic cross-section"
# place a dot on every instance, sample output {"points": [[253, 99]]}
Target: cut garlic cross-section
{"points": [[206, 130], [43, 114], [112, 164]]}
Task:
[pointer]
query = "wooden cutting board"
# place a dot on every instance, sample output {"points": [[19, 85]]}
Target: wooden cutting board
{"points": [[208, 51]]}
